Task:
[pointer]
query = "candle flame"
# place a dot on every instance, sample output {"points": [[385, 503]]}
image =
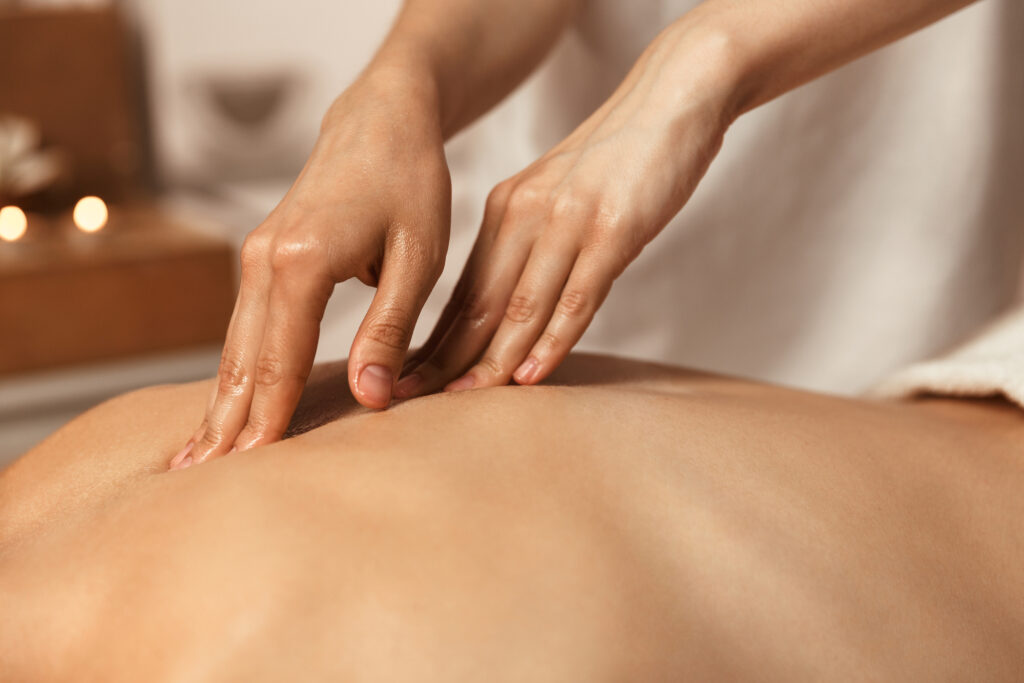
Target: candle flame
{"points": [[13, 223], [90, 214]]}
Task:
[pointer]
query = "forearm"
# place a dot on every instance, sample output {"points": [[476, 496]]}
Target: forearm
{"points": [[464, 56], [775, 46]]}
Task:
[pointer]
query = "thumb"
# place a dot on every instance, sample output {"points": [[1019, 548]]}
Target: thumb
{"points": [[379, 349]]}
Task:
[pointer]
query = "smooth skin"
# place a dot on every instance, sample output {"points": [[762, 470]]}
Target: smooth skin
{"points": [[621, 522], [373, 202]]}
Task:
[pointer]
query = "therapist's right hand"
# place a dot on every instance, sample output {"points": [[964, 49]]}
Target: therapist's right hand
{"points": [[373, 202]]}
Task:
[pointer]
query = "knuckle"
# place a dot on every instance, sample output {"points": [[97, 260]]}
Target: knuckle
{"points": [[526, 199], [498, 197], [390, 329], [211, 437], [292, 255], [568, 207], [269, 371], [549, 340], [254, 251], [231, 375], [521, 309], [574, 302], [491, 366]]}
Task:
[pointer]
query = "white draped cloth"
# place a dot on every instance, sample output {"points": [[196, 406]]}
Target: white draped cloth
{"points": [[989, 364]]}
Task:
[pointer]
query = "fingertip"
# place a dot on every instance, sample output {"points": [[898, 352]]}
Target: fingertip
{"points": [[374, 386], [245, 441], [461, 384], [179, 458], [527, 372]]}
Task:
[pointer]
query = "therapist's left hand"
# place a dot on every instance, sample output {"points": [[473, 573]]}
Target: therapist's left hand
{"points": [[556, 235]]}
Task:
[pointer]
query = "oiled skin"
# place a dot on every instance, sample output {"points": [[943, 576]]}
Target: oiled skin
{"points": [[625, 522]]}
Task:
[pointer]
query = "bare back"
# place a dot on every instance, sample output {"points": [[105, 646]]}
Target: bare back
{"points": [[625, 521]]}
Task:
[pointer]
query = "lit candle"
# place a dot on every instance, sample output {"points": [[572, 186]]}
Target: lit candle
{"points": [[90, 214], [13, 223]]}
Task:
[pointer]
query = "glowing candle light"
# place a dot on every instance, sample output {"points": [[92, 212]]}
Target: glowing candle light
{"points": [[13, 223], [90, 214]]}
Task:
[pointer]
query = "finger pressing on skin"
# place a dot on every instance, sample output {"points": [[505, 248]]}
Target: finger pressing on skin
{"points": [[286, 355], [526, 314], [475, 321], [383, 337], [232, 394], [176, 461], [493, 215], [179, 460], [588, 285], [413, 360]]}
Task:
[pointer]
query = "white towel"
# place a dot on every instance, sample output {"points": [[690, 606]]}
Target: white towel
{"points": [[989, 364]]}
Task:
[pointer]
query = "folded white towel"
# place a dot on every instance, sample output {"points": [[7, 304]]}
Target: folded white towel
{"points": [[989, 364]]}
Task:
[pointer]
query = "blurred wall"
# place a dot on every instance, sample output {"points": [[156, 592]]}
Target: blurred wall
{"points": [[320, 45]]}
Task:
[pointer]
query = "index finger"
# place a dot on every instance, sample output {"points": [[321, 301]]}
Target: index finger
{"points": [[229, 405], [297, 303]]}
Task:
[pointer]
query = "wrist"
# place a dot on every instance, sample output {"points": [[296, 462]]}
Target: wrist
{"points": [[699, 65], [397, 90]]}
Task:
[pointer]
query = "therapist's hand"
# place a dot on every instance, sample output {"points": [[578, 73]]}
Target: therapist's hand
{"points": [[373, 202], [555, 236]]}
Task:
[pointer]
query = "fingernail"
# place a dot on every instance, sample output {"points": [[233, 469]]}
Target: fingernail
{"points": [[375, 384], [408, 385], [461, 384], [525, 373], [177, 459], [187, 462]]}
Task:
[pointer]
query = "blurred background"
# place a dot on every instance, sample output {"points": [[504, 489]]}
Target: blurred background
{"points": [[188, 120], [141, 140]]}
